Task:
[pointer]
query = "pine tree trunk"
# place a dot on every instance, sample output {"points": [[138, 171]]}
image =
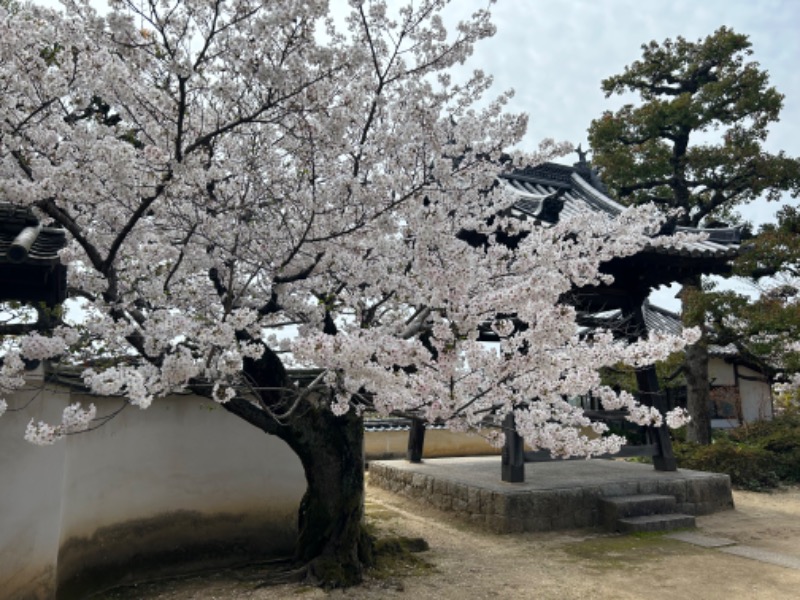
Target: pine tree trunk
{"points": [[697, 393], [696, 366]]}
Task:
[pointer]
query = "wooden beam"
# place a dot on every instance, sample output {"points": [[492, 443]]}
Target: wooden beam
{"points": [[650, 394], [625, 452]]}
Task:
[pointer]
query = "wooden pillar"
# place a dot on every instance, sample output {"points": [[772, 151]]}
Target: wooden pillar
{"points": [[513, 457], [416, 441], [651, 395], [663, 457]]}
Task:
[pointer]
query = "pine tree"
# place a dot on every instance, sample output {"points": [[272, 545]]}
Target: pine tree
{"points": [[694, 142]]}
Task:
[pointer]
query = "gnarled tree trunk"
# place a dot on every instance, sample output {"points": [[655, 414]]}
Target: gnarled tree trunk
{"points": [[332, 540], [333, 547], [697, 393]]}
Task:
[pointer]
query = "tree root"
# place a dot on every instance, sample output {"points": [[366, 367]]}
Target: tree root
{"points": [[296, 575], [329, 572], [326, 573]]}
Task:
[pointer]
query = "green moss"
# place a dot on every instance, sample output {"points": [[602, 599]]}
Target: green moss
{"points": [[397, 556], [626, 551], [333, 573], [304, 589], [400, 545]]}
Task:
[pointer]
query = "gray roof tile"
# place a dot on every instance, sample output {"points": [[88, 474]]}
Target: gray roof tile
{"points": [[577, 195]]}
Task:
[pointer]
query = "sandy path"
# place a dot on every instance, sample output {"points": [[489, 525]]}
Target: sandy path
{"points": [[472, 565]]}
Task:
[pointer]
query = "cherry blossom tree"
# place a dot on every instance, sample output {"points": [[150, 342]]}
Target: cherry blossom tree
{"points": [[228, 170]]}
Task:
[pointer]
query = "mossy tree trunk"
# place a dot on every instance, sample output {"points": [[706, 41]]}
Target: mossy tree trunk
{"points": [[332, 540], [333, 547], [697, 393]]}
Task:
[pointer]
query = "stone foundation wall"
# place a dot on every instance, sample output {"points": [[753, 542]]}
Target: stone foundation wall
{"points": [[499, 512], [511, 510]]}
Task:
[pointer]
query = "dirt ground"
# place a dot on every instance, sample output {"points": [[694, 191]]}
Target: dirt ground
{"points": [[465, 563]]}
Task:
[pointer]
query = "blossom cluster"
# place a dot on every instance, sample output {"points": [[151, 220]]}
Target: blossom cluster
{"points": [[75, 419], [237, 184], [11, 372]]}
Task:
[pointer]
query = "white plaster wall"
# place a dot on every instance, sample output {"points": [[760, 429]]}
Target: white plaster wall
{"points": [[182, 453], [720, 372], [166, 479], [380, 445], [30, 498], [756, 396]]}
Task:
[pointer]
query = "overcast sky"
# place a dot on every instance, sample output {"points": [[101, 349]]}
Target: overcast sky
{"points": [[555, 53]]}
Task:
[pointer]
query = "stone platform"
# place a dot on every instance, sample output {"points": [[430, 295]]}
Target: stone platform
{"points": [[555, 495]]}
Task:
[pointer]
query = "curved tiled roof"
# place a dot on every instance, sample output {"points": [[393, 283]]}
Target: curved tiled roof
{"points": [[577, 191], [657, 319]]}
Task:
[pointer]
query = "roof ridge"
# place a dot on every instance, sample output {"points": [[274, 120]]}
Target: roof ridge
{"points": [[596, 195]]}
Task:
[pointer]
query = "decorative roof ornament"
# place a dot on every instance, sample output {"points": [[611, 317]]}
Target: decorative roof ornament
{"points": [[584, 168], [582, 163]]}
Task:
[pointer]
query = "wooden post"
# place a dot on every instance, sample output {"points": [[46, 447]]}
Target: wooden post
{"points": [[651, 395], [663, 458], [416, 441], [513, 457]]}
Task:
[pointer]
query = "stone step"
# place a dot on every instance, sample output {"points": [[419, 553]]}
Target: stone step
{"points": [[613, 508], [660, 522]]}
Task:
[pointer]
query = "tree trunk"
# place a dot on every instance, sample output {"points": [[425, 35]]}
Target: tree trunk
{"points": [[332, 541], [696, 366], [332, 546], [697, 393]]}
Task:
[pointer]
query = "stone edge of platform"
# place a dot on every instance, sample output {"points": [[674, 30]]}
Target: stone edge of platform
{"points": [[574, 507]]}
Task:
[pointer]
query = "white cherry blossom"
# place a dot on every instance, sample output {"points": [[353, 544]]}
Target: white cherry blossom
{"points": [[228, 171]]}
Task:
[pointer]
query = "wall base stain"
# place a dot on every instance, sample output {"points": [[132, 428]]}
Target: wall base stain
{"points": [[30, 584], [170, 544]]}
